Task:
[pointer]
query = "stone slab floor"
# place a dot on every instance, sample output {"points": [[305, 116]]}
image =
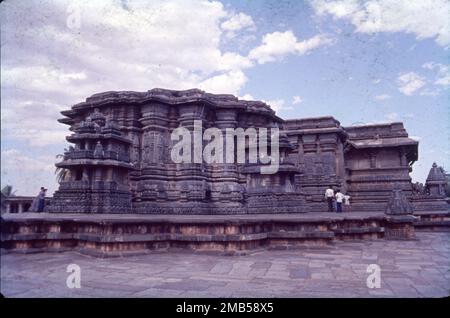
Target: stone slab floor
{"points": [[419, 268]]}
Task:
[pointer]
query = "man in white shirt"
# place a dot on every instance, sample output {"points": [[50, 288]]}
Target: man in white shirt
{"points": [[329, 195], [339, 200], [347, 202]]}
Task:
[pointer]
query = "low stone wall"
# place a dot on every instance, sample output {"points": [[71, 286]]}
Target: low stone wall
{"points": [[433, 220], [113, 235]]}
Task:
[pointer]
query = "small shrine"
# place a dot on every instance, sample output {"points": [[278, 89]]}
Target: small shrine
{"points": [[95, 170]]}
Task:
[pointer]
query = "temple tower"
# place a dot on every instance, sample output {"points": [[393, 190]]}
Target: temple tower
{"points": [[95, 171], [319, 155], [436, 181]]}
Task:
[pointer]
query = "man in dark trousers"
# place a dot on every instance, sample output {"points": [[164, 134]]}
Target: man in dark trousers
{"points": [[41, 202], [339, 199], [329, 195]]}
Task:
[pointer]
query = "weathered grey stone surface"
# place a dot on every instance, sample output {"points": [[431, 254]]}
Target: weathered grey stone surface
{"points": [[108, 235], [96, 169], [408, 269], [431, 197], [398, 204], [160, 186], [124, 138]]}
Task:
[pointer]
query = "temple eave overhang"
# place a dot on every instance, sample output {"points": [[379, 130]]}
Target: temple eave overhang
{"points": [[66, 121], [385, 142], [339, 130], [94, 162], [96, 136], [172, 98]]}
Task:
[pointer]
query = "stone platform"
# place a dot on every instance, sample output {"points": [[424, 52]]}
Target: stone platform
{"points": [[418, 268], [434, 220], [123, 234]]}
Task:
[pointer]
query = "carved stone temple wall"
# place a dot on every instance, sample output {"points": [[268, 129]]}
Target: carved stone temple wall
{"points": [[120, 161]]}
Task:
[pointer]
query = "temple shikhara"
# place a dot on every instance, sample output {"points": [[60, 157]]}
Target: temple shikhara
{"points": [[121, 192]]}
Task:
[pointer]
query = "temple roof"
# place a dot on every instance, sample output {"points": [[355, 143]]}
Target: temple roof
{"points": [[170, 97], [436, 174], [375, 131], [383, 142]]}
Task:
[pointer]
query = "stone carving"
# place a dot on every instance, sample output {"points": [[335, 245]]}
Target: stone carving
{"points": [[98, 151], [398, 204], [315, 153], [97, 177]]}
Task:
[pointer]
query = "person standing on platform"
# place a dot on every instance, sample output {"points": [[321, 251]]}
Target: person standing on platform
{"points": [[41, 204], [329, 195], [339, 200], [346, 202]]}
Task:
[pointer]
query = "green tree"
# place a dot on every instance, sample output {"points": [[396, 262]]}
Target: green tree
{"points": [[61, 173]]}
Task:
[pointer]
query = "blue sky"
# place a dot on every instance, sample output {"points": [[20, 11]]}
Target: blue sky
{"points": [[359, 61]]}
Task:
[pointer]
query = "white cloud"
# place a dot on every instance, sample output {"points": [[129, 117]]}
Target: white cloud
{"points": [[392, 117], [32, 122], [296, 100], [236, 23], [27, 174], [444, 81], [228, 83], [47, 66], [429, 65], [429, 92], [233, 61], [134, 47], [443, 72], [246, 97], [277, 105], [14, 157], [276, 45], [410, 83], [424, 18], [382, 97], [44, 79]]}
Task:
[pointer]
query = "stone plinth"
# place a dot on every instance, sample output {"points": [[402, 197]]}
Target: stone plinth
{"points": [[115, 235], [433, 220], [400, 227], [400, 221]]}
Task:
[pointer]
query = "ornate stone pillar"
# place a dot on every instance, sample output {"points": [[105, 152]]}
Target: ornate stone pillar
{"points": [[110, 174], [403, 159], [227, 119], [373, 159], [87, 145], [318, 170], [97, 174], [85, 176], [301, 154], [340, 165], [155, 134]]}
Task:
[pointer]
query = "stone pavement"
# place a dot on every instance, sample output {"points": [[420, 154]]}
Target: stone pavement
{"points": [[419, 268]]}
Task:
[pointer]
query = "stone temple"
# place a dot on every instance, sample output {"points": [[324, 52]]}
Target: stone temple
{"points": [[121, 192], [120, 159]]}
